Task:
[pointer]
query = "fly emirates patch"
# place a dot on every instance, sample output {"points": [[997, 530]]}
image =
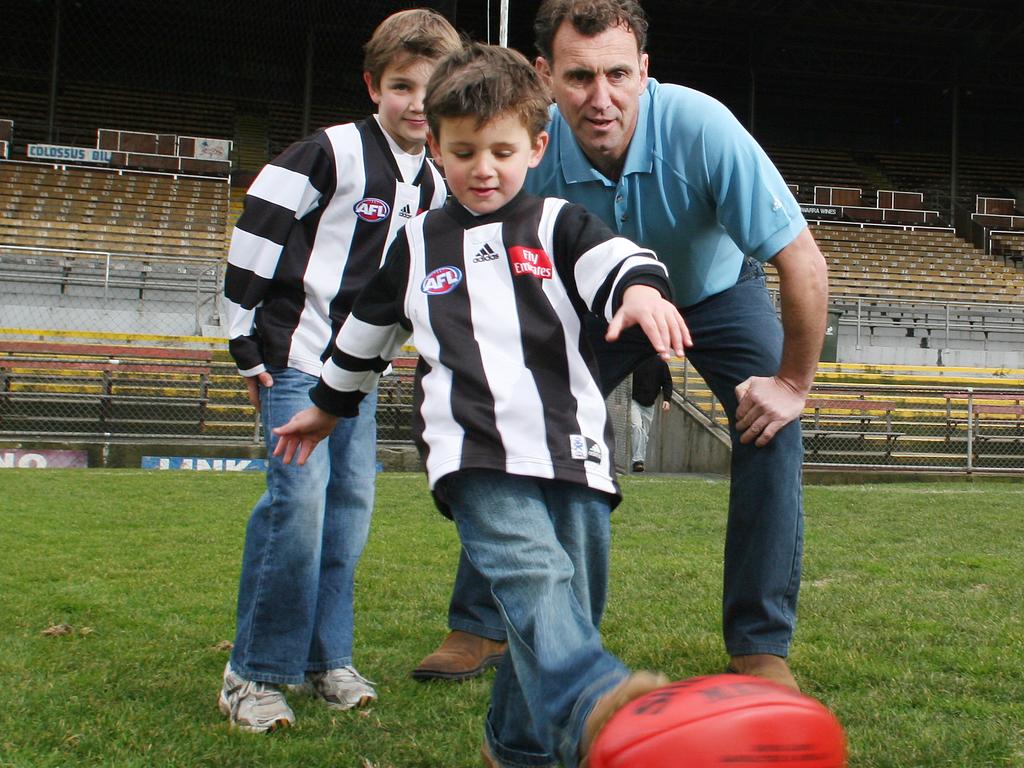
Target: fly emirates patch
{"points": [[530, 261]]}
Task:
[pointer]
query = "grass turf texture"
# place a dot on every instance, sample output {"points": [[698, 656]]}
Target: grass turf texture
{"points": [[910, 621]]}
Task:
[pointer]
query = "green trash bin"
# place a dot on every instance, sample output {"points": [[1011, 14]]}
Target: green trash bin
{"points": [[830, 349]]}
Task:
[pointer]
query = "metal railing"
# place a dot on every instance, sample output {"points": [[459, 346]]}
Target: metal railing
{"points": [[865, 313], [184, 284], [897, 427], [136, 393]]}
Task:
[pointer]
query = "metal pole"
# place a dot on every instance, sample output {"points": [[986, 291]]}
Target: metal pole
{"points": [[503, 25], [51, 117], [954, 151], [970, 428], [859, 304], [307, 91]]}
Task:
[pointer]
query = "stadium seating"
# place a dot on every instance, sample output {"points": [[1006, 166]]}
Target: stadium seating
{"points": [[1009, 246], [811, 167], [98, 209], [930, 173], [912, 265]]}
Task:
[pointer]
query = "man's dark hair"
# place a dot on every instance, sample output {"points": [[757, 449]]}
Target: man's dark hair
{"points": [[588, 17]]}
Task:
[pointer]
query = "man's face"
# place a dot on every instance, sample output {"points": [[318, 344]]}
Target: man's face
{"points": [[597, 82]]}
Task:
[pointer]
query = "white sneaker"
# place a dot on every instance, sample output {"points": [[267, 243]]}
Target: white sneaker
{"points": [[253, 706], [341, 688]]}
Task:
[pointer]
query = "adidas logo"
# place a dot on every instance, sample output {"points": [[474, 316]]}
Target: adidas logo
{"points": [[485, 254], [405, 212]]}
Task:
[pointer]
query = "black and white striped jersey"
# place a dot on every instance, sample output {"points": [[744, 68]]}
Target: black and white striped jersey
{"points": [[506, 379], [315, 228]]}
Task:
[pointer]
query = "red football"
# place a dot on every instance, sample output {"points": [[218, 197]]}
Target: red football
{"points": [[721, 720]]}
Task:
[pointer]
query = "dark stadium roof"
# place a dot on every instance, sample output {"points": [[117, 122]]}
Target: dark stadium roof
{"points": [[981, 42], [852, 72]]}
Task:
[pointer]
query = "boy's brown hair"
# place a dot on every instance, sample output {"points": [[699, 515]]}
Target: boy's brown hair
{"points": [[588, 17], [417, 33], [486, 81]]}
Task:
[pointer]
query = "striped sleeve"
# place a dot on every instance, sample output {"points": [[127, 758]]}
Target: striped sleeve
{"points": [[285, 190], [600, 265], [370, 338]]}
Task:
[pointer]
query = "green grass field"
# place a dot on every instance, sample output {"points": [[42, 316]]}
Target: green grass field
{"points": [[911, 626]]}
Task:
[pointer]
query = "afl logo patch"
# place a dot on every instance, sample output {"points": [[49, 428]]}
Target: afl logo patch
{"points": [[441, 280], [371, 209]]}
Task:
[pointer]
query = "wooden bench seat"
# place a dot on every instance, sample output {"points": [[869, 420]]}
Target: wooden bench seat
{"points": [[139, 246], [829, 422], [115, 212], [100, 350], [113, 232], [116, 389], [116, 200]]}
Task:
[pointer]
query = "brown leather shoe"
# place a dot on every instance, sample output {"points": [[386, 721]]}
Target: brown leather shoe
{"points": [[460, 657], [633, 687], [765, 665]]}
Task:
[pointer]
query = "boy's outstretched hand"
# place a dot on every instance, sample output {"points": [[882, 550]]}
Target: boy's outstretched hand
{"points": [[302, 433], [644, 306]]}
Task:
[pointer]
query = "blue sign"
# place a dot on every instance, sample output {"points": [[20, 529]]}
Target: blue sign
{"points": [[57, 153], [203, 464]]}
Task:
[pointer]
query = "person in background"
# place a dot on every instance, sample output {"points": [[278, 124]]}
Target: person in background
{"points": [[651, 378], [316, 224]]}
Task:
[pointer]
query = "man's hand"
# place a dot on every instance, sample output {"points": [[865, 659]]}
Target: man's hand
{"points": [[252, 385], [302, 433], [644, 306], [766, 405]]}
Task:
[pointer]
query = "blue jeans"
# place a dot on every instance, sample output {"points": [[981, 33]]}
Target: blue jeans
{"points": [[736, 334], [542, 546], [303, 542]]}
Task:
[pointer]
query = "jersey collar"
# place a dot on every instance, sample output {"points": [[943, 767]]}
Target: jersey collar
{"points": [[467, 219]]}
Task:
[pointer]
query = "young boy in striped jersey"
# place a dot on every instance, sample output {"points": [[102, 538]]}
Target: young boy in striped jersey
{"points": [[316, 225], [509, 416]]}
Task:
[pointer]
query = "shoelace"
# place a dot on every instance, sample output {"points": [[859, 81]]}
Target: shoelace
{"points": [[258, 690], [347, 675]]}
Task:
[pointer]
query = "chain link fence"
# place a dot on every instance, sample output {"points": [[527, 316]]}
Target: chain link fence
{"points": [[954, 427], [110, 280]]}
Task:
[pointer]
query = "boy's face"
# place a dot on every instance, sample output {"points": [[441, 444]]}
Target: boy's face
{"points": [[486, 165], [399, 101]]}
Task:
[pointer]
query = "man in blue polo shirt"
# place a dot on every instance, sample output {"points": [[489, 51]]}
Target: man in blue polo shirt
{"points": [[672, 169]]}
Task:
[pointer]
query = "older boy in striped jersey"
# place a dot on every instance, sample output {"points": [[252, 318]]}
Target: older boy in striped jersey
{"points": [[317, 222]]}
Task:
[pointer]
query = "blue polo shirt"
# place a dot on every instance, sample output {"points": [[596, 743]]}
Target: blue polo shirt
{"points": [[696, 189]]}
